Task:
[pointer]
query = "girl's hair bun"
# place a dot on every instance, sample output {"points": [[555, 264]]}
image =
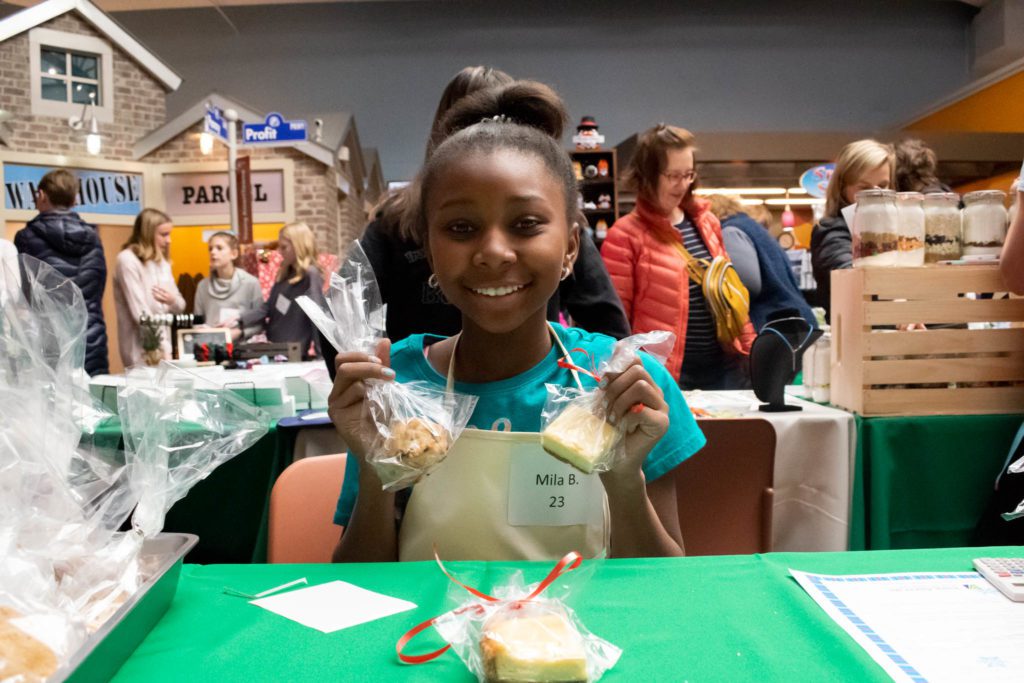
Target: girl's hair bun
{"points": [[527, 103]]}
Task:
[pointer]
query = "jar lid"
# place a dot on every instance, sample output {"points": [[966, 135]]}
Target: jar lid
{"points": [[989, 195], [910, 196], [943, 196], [875, 192]]}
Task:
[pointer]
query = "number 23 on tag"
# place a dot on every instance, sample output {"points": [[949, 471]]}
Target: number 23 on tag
{"points": [[543, 491]]}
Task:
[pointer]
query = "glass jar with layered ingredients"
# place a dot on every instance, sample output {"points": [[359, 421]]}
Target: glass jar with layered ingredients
{"points": [[910, 209], [984, 224], [875, 229], [941, 227]]}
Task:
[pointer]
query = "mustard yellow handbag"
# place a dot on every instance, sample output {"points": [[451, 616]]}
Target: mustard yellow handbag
{"points": [[725, 293]]}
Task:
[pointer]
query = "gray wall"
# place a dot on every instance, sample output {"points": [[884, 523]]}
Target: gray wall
{"points": [[708, 65]]}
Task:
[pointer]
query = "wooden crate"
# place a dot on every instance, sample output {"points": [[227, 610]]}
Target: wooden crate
{"points": [[872, 367]]}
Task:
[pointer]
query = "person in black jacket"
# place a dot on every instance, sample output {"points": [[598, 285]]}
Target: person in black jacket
{"points": [[862, 165], [59, 237], [402, 271]]}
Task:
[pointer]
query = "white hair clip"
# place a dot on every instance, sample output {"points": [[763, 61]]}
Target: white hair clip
{"points": [[497, 118]]}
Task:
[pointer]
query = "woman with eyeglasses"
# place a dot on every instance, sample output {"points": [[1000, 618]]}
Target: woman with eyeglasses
{"points": [[649, 269]]}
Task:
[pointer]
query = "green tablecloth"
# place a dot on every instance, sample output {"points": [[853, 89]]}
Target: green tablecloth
{"points": [[922, 482], [732, 618]]}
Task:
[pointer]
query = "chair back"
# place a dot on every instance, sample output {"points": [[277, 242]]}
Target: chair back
{"points": [[724, 492], [302, 505]]}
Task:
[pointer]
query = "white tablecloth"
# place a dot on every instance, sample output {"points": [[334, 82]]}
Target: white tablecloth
{"points": [[814, 468]]}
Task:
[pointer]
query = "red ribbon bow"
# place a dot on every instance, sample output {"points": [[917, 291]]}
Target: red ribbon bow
{"points": [[567, 363], [571, 561]]}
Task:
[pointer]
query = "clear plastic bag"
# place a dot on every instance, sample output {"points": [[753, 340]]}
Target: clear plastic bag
{"points": [[415, 423], [65, 486], [574, 423], [521, 633], [179, 427]]}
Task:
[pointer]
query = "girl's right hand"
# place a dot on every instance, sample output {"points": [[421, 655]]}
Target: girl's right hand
{"points": [[345, 404]]}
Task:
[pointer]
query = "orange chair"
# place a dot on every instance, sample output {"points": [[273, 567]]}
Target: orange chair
{"points": [[724, 492], [302, 505]]}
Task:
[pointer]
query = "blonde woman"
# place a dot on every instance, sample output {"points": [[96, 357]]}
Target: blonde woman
{"points": [[281, 317], [862, 165], [143, 283]]}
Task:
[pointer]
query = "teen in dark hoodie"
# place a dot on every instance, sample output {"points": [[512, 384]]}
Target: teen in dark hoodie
{"points": [[862, 165], [59, 237]]}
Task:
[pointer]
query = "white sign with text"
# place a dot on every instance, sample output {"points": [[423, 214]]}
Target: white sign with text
{"points": [[199, 194]]}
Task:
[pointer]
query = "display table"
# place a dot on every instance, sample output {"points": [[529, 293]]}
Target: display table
{"points": [[922, 482], [814, 467], [727, 618]]}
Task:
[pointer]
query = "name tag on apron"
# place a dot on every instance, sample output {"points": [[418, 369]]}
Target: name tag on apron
{"points": [[544, 491], [282, 304]]}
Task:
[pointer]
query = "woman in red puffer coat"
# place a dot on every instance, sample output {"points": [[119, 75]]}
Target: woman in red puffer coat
{"points": [[650, 274]]}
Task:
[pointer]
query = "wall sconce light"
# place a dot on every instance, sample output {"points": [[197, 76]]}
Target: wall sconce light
{"points": [[93, 139], [205, 143]]}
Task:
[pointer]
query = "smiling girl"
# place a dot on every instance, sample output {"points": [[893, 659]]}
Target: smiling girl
{"points": [[495, 211]]}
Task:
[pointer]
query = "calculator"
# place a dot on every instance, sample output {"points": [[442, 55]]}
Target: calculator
{"points": [[1005, 573]]}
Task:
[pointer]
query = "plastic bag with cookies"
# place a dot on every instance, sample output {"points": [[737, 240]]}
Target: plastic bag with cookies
{"points": [[416, 423]]}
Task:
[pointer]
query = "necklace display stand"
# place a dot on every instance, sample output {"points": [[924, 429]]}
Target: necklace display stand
{"points": [[774, 358]]}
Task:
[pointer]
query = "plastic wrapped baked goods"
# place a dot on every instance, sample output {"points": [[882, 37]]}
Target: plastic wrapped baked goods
{"points": [[23, 658], [532, 643], [574, 423], [416, 423], [417, 442], [579, 437], [518, 635]]}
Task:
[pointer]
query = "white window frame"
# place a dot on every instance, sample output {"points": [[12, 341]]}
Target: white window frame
{"points": [[40, 38]]}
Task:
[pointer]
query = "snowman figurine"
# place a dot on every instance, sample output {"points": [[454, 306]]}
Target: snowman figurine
{"points": [[587, 136]]}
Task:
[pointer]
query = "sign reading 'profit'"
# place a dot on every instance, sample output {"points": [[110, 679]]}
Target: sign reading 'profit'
{"points": [[275, 130]]}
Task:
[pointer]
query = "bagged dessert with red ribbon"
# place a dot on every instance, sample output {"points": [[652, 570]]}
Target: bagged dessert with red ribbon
{"points": [[415, 422], [520, 634], [574, 423]]}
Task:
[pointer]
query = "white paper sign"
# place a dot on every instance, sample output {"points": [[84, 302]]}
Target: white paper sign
{"points": [[282, 304], [848, 213], [942, 626], [333, 606], [544, 491], [228, 314]]}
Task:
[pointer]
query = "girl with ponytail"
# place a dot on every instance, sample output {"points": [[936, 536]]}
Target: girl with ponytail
{"points": [[494, 207]]}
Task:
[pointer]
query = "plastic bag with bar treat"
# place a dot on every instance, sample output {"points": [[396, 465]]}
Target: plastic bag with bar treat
{"points": [[574, 423], [520, 633], [415, 423]]}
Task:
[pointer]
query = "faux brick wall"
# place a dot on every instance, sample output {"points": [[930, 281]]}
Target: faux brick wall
{"points": [[317, 199], [139, 104]]}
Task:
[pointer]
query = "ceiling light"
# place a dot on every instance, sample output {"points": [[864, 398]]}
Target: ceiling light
{"points": [[751, 202], [796, 190], [799, 201], [756, 191]]}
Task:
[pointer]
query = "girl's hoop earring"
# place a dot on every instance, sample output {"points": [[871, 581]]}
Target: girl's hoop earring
{"points": [[432, 281]]}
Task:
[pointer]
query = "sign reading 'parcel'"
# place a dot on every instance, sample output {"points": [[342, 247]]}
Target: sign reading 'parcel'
{"points": [[105, 192], [204, 194]]}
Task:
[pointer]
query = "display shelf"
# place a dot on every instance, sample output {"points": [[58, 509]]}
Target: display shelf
{"points": [[596, 173]]}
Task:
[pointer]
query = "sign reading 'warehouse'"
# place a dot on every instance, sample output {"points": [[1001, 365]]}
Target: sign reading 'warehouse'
{"points": [[105, 192]]}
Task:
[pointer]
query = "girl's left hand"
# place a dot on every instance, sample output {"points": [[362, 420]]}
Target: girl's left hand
{"points": [[636, 404]]}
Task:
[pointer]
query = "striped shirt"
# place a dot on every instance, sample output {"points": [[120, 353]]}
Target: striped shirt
{"points": [[702, 348]]}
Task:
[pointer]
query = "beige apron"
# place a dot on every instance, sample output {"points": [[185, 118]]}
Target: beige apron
{"points": [[500, 496]]}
